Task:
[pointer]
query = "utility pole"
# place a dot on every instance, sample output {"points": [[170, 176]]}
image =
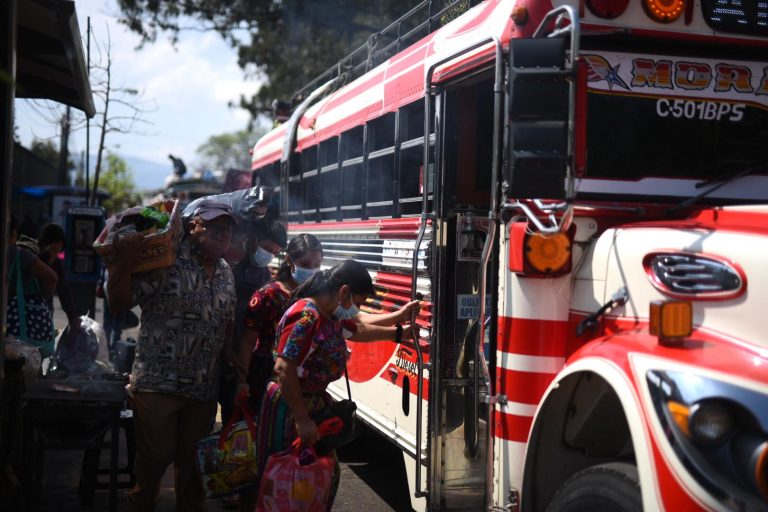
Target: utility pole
{"points": [[64, 149]]}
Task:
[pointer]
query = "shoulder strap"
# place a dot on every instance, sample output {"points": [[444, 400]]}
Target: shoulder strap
{"points": [[20, 298], [346, 376]]}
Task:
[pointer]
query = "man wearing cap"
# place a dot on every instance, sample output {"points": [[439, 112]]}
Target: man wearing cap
{"points": [[187, 313]]}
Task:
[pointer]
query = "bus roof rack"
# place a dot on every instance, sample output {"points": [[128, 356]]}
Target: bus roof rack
{"points": [[414, 25]]}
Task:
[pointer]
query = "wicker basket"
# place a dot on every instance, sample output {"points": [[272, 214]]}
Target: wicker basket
{"points": [[159, 250]]}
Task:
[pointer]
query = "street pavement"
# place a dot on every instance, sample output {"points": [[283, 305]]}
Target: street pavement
{"points": [[372, 474]]}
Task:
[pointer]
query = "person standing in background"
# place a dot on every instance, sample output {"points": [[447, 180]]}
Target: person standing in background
{"points": [[52, 244], [30, 284]]}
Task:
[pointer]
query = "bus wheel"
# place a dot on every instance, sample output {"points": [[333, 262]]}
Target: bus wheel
{"points": [[614, 487]]}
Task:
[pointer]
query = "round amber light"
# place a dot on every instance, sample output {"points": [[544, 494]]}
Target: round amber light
{"points": [[664, 11], [548, 253]]}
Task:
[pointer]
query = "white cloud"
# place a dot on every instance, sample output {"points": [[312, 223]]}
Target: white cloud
{"points": [[191, 85]]}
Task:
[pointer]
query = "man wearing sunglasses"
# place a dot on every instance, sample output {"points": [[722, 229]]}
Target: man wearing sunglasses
{"points": [[187, 313]]}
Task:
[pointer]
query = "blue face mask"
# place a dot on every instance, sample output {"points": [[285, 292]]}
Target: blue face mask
{"points": [[261, 257], [301, 274], [342, 313]]}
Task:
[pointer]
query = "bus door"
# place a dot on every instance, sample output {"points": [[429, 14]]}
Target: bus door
{"points": [[457, 411]]}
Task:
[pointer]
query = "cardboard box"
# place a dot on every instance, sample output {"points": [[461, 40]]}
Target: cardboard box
{"points": [[159, 250]]}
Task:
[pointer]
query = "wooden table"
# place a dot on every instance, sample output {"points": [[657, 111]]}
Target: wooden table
{"points": [[70, 420]]}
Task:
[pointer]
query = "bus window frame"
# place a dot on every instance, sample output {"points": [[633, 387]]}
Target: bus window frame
{"points": [[358, 150]]}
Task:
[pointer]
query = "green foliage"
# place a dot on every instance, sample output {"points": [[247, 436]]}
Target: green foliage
{"points": [[46, 151], [288, 42], [117, 179], [228, 150]]}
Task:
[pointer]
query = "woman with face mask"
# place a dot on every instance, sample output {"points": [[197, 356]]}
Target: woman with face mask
{"points": [[265, 240], [265, 308], [303, 257], [312, 352]]}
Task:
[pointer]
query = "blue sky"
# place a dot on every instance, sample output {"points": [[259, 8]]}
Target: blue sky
{"points": [[188, 86]]}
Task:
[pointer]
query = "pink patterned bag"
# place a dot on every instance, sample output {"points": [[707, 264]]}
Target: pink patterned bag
{"points": [[296, 480]]}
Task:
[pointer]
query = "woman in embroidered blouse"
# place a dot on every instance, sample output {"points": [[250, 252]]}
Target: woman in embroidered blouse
{"points": [[312, 352], [267, 305]]}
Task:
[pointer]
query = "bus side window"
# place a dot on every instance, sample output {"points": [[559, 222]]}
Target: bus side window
{"points": [[381, 166], [309, 181], [329, 179], [352, 173], [410, 172]]}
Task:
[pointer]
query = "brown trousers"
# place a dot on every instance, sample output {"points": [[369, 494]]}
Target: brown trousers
{"points": [[167, 428]]}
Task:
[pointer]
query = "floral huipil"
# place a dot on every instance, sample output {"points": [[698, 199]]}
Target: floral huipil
{"points": [[317, 345], [265, 309]]}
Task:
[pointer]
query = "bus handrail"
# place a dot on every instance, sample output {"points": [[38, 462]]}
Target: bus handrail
{"points": [[428, 92], [498, 96], [574, 29]]}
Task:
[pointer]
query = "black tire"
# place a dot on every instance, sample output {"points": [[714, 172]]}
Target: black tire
{"points": [[602, 488]]}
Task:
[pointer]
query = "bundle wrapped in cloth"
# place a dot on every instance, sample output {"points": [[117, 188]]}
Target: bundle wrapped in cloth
{"points": [[248, 205], [160, 223]]}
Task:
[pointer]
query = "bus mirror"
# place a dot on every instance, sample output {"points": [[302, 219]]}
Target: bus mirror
{"points": [[537, 142]]}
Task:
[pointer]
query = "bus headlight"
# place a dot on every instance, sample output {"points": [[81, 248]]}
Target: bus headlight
{"points": [[719, 431], [710, 422]]}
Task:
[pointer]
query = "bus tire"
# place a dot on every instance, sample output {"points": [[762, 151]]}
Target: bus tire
{"points": [[609, 487]]}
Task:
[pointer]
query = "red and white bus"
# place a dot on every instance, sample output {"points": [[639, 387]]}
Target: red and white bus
{"points": [[578, 190]]}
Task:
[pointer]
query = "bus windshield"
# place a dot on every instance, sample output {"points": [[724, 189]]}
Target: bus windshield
{"points": [[662, 117]]}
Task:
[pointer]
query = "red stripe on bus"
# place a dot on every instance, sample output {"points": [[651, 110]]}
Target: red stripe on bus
{"points": [[356, 118], [408, 58], [715, 220], [387, 228], [533, 337], [354, 89], [367, 360], [397, 377], [481, 15], [269, 158], [522, 387], [512, 427], [404, 89]]}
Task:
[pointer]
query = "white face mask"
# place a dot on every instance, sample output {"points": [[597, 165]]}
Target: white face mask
{"points": [[342, 313], [261, 257], [301, 274]]}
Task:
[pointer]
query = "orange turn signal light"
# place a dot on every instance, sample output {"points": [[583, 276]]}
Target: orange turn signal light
{"points": [[548, 253], [664, 11], [671, 320], [519, 14], [680, 413]]}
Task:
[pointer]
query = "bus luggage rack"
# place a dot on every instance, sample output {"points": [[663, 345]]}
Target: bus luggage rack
{"points": [[416, 24]]}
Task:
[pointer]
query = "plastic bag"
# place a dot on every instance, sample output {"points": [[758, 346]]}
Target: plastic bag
{"points": [[248, 205], [79, 348], [296, 480], [94, 328], [227, 460], [16, 349]]}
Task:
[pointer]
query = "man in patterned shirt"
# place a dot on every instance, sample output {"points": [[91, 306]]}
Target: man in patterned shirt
{"points": [[187, 313]]}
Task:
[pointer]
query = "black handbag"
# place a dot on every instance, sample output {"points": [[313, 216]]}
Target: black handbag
{"points": [[346, 412]]}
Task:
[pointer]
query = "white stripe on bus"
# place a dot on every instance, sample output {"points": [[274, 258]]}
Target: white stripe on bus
{"points": [[534, 364]]}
